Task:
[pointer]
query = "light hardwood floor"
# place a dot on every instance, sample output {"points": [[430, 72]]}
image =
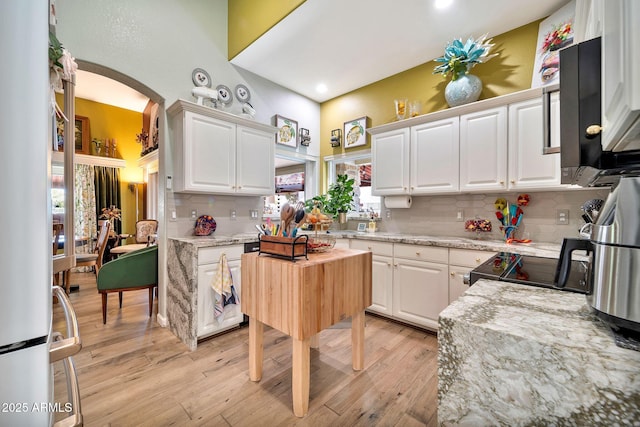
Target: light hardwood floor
{"points": [[132, 372]]}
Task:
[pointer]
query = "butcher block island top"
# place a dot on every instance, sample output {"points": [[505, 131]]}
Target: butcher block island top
{"points": [[301, 298]]}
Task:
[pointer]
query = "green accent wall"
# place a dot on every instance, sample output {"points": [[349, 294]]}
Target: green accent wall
{"points": [[249, 19], [510, 71]]}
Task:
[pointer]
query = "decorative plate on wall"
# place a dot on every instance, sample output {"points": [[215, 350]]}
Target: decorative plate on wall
{"points": [[242, 93], [201, 78], [224, 94]]}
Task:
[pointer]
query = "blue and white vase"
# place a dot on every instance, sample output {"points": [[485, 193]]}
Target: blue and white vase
{"points": [[463, 90]]}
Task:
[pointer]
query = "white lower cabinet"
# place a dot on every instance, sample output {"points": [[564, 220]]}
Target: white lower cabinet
{"points": [[342, 243], [420, 291], [409, 282], [208, 264], [461, 262], [381, 274]]}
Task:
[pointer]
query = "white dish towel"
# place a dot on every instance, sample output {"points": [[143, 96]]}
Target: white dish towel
{"points": [[223, 289]]}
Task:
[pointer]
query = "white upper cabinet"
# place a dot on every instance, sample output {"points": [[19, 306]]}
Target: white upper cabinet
{"points": [[528, 167], [483, 150], [217, 152], [255, 154], [390, 154], [486, 146], [434, 157], [621, 75]]}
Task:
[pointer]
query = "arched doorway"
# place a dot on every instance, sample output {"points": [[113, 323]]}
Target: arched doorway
{"points": [[154, 174]]}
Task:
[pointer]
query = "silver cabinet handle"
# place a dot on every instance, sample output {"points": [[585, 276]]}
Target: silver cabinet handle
{"points": [[73, 391], [65, 347]]}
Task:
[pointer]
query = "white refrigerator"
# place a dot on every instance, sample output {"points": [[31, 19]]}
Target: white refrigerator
{"points": [[26, 383]]}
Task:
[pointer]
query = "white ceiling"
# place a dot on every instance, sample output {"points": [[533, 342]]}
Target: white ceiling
{"points": [[95, 87], [350, 44]]}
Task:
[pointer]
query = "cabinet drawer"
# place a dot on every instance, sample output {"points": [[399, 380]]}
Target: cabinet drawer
{"points": [[421, 253], [377, 248], [211, 255], [468, 257]]}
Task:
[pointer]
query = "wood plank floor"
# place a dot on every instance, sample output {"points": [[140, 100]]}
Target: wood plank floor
{"points": [[132, 372]]}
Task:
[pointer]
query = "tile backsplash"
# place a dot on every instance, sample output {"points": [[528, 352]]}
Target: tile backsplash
{"points": [[428, 215], [436, 215]]}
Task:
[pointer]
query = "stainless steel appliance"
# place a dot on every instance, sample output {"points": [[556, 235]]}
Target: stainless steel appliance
{"points": [[615, 237], [531, 270], [582, 159]]}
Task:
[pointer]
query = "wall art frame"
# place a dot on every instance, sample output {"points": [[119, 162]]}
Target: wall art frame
{"points": [[554, 33], [355, 132], [287, 133]]}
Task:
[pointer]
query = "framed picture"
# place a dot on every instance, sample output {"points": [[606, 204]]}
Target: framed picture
{"points": [[82, 134], [554, 33], [362, 226], [287, 131], [355, 132]]}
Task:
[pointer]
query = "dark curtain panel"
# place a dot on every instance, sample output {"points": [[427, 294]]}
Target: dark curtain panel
{"points": [[107, 183]]}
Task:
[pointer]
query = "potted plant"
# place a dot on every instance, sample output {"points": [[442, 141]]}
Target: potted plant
{"points": [[340, 198]]}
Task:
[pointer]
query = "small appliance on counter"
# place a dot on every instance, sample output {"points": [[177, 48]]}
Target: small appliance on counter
{"points": [[616, 257]]}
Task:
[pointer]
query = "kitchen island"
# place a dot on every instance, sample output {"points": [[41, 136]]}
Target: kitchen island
{"points": [[512, 355], [301, 298]]}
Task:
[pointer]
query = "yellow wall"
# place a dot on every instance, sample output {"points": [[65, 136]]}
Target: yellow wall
{"points": [[249, 19], [509, 72], [106, 121]]}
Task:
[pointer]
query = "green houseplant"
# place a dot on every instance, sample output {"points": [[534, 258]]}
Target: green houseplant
{"points": [[340, 197]]}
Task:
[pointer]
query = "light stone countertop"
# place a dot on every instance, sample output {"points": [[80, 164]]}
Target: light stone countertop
{"points": [[515, 355], [547, 250]]}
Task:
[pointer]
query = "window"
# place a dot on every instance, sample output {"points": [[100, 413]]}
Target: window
{"points": [[358, 167]]}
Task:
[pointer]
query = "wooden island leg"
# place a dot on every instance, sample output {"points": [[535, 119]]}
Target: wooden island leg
{"points": [[357, 340], [315, 341], [300, 377], [256, 329]]}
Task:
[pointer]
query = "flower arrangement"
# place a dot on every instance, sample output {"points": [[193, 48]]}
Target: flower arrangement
{"points": [[459, 58], [61, 64], [559, 37], [111, 213]]}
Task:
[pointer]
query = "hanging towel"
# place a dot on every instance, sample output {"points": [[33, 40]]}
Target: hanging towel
{"points": [[223, 289]]}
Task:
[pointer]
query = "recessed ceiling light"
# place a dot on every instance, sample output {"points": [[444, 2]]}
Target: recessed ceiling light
{"points": [[321, 88], [442, 4]]}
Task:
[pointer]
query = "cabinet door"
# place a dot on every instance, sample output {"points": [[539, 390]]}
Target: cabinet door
{"points": [[434, 157], [255, 162], [209, 154], [390, 163], [483, 150], [528, 167], [620, 71], [420, 291], [457, 287], [381, 285], [208, 324]]}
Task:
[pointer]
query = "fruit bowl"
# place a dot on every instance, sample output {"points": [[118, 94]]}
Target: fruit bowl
{"points": [[321, 243]]}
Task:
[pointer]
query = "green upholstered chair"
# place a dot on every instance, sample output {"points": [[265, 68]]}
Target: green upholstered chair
{"points": [[133, 271]]}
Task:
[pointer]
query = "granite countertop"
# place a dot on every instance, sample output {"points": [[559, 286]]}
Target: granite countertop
{"points": [[513, 354], [547, 250]]}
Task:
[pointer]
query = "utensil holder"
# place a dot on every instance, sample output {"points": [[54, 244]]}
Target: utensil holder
{"points": [[284, 247]]}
